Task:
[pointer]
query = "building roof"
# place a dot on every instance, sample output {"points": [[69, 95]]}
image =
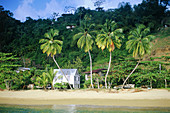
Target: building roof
{"points": [[23, 68], [66, 71], [95, 71]]}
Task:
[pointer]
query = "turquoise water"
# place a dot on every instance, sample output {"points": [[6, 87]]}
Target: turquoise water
{"points": [[77, 109]]}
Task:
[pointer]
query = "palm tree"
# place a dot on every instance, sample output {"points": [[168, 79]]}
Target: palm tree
{"points": [[43, 80], [52, 47], [50, 74], [139, 44], [85, 42], [109, 37]]}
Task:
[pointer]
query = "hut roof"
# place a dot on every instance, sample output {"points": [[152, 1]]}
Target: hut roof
{"points": [[95, 71]]}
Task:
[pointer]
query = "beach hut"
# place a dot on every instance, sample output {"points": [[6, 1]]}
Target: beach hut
{"points": [[72, 75], [97, 71], [22, 69]]}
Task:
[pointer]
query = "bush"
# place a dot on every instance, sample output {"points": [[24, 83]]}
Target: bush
{"points": [[61, 85], [87, 84]]}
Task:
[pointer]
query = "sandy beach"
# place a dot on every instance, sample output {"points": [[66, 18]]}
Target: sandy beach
{"points": [[132, 98]]}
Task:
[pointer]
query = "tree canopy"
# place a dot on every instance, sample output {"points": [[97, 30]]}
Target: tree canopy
{"points": [[21, 39]]}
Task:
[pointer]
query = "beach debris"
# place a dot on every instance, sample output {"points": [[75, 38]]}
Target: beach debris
{"points": [[1, 89], [30, 86]]}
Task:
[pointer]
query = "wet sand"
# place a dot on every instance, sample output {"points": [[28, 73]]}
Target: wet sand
{"points": [[145, 98]]}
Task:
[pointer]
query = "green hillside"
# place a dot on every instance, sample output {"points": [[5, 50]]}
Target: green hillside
{"points": [[125, 32], [161, 47]]}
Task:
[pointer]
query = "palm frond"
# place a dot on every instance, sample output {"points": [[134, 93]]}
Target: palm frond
{"points": [[118, 30], [141, 49], [129, 45], [51, 46], [112, 46], [58, 42], [43, 45], [45, 48], [89, 40], [145, 32], [47, 35], [81, 42], [150, 37], [43, 40], [139, 41], [55, 33], [77, 36]]}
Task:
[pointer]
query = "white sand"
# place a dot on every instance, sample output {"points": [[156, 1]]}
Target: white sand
{"points": [[82, 94], [146, 98]]}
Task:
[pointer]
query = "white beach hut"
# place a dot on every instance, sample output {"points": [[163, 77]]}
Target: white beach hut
{"points": [[71, 74]]}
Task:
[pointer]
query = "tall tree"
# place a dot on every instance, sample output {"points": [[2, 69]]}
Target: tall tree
{"points": [[139, 44], [52, 47], [150, 11], [42, 80], [8, 26], [85, 41], [98, 3], [80, 12], [124, 17], [50, 74], [109, 37]]}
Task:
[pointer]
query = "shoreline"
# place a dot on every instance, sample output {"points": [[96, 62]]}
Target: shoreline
{"points": [[126, 98], [161, 103]]}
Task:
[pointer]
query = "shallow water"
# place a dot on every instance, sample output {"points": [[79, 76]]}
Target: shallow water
{"points": [[77, 109]]}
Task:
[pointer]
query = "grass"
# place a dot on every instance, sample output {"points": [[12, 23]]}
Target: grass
{"points": [[160, 47], [164, 32], [162, 38]]}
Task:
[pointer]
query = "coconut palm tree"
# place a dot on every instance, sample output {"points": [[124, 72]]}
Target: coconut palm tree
{"points": [[50, 74], [109, 37], [138, 44], [43, 80], [85, 42], [52, 47]]}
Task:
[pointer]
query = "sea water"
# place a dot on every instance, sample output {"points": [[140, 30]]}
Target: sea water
{"points": [[78, 109]]}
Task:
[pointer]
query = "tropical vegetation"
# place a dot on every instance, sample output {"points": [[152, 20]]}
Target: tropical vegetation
{"points": [[109, 37], [139, 43], [115, 40], [85, 40]]}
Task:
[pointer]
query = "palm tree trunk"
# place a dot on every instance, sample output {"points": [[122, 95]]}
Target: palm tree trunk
{"points": [[45, 88], [98, 83], [52, 86], [151, 84], [61, 71], [165, 83], [91, 69], [130, 73], [23, 61], [108, 70]]}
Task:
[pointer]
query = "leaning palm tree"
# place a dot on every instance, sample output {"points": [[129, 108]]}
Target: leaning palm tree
{"points": [[139, 44], [109, 37], [50, 74], [52, 47], [85, 42]]}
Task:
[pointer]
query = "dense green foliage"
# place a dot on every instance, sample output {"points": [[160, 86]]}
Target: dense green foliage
{"points": [[22, 40], [45, 79], [7, 75]]}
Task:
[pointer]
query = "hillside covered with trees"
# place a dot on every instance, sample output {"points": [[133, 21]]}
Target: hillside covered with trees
{"points": [[115, 39]]}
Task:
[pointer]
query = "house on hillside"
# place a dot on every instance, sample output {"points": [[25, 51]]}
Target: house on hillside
{"points": [[98, 77], [97, 71], [22, 69], [71, 74]]}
